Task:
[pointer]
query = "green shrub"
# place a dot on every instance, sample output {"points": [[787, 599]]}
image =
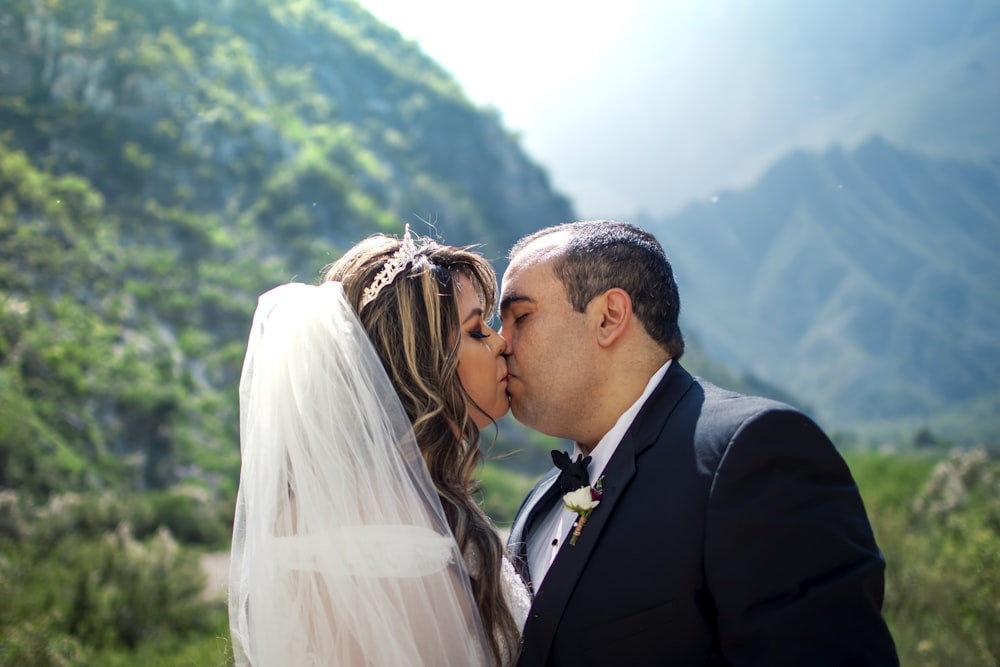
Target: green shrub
{"points": [[938, 524], [125, 592], [209, 649], [73, 571], [38, 642], [193, 516], [502, 492]]}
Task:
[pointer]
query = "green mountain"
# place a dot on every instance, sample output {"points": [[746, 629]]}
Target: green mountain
{"points": [[163, 163], [864, 282]]}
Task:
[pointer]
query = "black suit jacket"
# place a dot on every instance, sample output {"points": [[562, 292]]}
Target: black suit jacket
{"points": [[730, 532]]}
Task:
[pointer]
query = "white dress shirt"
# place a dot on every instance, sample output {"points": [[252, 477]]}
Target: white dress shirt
{"points": [[553, 529]]}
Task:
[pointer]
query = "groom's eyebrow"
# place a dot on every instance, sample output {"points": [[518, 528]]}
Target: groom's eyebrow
{"points": [[511, 299]]}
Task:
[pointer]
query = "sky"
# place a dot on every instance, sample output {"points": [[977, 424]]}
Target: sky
{"points": [[568, 77], [650, 105]]}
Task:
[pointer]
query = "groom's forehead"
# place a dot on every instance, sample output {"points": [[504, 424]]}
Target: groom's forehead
{"points": [[544, 247], [534, 262], [524, 278]]}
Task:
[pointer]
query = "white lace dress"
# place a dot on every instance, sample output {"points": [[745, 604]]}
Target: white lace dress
{"points": [[516, 593], [514, 590]]}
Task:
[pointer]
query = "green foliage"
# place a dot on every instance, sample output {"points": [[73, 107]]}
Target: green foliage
{"points": [[33, 456], [77, 578], [889, 482], [938, 524], [39, 642], [193, 515], [209, 649], [502, 492]]}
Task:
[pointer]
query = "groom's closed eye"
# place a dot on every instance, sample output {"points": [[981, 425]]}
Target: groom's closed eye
{"points": [[509, 312], [508, 301]]}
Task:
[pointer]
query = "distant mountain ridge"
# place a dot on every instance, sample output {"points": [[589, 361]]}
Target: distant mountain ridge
{"points": [[923, 76], [867, 282], [727, 91]]}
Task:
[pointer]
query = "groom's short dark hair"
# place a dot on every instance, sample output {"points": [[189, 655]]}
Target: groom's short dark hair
{"points": [[603, 254]]}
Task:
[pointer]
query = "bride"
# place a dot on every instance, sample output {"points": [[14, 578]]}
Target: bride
{"points": [[357, 540]]}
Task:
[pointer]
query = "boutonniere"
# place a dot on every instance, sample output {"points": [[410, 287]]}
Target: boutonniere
{"points": [[578, 495], [583, 501]]}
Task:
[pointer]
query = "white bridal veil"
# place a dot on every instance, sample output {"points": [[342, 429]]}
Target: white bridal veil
{"points": [[341, 553]]}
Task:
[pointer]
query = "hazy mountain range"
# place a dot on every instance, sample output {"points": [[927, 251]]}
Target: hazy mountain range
{"points": [[865, 282], [853, 256], [710, 96]]}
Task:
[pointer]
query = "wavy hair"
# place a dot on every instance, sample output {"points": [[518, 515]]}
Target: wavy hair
{"points": [[414, 324]]}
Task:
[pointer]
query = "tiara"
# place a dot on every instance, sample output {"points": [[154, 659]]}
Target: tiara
{"points": [[393, 267]]}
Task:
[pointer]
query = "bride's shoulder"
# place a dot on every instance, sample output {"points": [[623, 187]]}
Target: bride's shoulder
{"points": [[516, 592]]}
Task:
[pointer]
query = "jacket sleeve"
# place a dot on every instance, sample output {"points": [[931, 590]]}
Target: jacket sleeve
{"points": [[790, 558]]}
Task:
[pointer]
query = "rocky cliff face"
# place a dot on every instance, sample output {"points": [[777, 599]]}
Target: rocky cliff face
{"points": [[211, 103]]}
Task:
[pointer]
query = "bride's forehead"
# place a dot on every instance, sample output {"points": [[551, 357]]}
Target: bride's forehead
{"points": [[468, 294]]}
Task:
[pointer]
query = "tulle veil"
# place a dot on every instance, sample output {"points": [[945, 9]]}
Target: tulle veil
{"points": [[341, 553]]}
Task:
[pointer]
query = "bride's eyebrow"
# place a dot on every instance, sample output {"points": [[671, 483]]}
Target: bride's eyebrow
{"points": [[475, 312]]}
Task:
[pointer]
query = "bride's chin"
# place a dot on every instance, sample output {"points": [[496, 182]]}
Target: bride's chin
{"points": [[482, 420]]}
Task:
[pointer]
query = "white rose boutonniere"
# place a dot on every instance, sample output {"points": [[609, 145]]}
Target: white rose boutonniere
{"points": [[582, 501]]}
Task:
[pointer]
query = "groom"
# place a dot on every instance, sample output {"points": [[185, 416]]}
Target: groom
{"points": [[728, 530]]}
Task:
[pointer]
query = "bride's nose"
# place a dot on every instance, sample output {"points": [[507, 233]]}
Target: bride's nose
{"points": [[503, 347]]}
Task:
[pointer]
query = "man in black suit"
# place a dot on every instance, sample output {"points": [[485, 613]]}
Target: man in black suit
{"points": [[728, 529]]}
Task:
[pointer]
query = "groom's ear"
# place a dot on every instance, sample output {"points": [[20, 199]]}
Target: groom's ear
{"points": [[615, 311]]}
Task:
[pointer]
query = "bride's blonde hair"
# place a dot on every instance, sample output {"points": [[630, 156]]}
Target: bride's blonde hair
{"points": [[414, 324]]}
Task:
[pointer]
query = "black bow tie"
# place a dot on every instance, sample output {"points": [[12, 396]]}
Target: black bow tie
{"points": [[574, 473]]}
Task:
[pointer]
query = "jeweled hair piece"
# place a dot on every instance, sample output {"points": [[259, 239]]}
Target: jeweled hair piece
{"points": [[393, 267]]}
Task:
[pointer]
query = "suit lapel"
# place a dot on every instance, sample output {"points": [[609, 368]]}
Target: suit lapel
{"points": [[554, 593], [539, 500], [552, 596]]}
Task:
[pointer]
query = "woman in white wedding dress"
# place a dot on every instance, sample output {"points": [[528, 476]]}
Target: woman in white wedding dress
{"points": [[357, 540]]}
